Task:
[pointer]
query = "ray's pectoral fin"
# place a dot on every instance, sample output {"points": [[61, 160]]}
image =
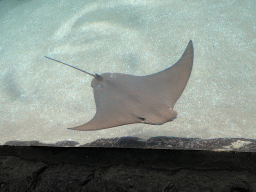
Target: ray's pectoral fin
{"points": [[106, 119], [100, 122], [111, 108]]}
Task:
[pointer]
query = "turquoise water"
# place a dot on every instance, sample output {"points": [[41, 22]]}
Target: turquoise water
{"points": [[40, 98]]}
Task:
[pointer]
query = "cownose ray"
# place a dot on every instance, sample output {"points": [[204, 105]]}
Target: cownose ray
{"points": [[126, 99]]}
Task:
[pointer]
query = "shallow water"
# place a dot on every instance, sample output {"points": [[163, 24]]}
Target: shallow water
{"points": [[40, 98]]}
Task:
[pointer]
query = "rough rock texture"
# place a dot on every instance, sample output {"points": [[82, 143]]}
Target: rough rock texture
{"points": [[161, 142], [109, 169]]}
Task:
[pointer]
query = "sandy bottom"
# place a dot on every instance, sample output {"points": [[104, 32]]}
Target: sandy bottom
{"points": [[40, 98]]}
